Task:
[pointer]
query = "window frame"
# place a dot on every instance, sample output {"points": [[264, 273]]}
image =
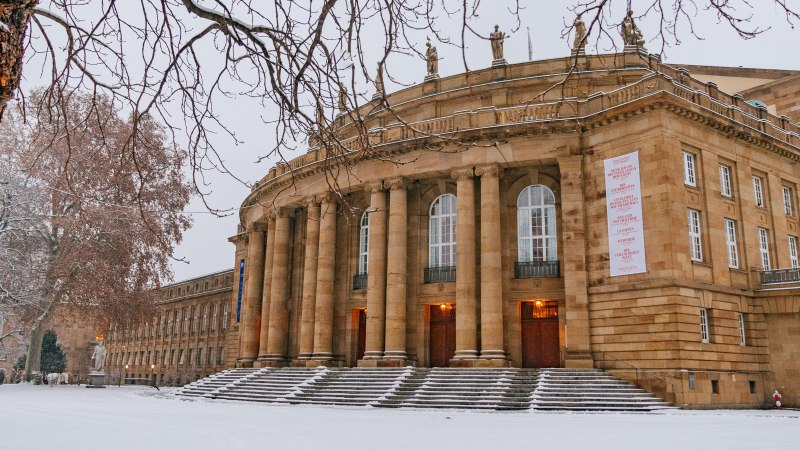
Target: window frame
{"points": [[441, 252], [742, 331], [794, 261], [758, 191], [363, 244], [705, 335], [689, 169], [763, 248], [695, 235], [788, 200], [526, 218], [731, 243], [725, 183]]}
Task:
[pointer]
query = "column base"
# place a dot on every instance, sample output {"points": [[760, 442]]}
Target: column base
{"points": [[273, 363], [383, 363], [394, 354], [479, 363], [493, 354], [465, 354], [318, 362], [578, 359], [372, 354], [304, 356], [245, 363]]}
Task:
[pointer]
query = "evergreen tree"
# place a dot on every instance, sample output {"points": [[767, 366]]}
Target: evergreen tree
{"points": [[53, 358]]}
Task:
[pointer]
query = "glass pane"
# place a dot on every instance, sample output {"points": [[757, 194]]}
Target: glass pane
{"points": [[536, 197], [523, 199], [549, 199]]}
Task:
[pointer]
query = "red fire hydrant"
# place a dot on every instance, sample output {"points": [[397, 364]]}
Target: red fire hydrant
{"points": [[777, 396]]}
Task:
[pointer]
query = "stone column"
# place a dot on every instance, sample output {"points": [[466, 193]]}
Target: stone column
{"points": [[579, 352], [466, 317], [396, 271], [491, 267], [279, 295], [376, 273], [265, 304], [309, 281], [323, 315], [251, 310]]}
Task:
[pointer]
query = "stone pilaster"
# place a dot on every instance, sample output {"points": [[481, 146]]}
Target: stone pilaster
{"points": [[376, 272], [279, 295], [579, 352], [267, 291], [251, 310], [396, 266], [466, 302], [780, 230], [491, 268], [309, 281], [323, 315]]}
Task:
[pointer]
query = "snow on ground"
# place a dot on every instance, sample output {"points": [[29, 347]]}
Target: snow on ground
{"points": [[74, 417]]}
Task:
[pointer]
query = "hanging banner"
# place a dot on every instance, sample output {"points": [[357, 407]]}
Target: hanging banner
{"points": [[241, 288], [624, 208]]}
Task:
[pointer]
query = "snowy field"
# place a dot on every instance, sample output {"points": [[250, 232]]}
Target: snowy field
{"points": [[73, 417]]}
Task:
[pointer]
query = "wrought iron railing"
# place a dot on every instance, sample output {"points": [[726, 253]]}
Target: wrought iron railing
{"points": [[536, 269], [443, 274], [779, 276], [359, 281]]}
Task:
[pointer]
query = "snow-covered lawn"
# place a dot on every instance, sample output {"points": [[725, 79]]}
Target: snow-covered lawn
{"points": [[73, 417]]}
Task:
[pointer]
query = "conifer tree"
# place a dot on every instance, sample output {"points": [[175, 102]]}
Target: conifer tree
{"points": [[54, 360]]}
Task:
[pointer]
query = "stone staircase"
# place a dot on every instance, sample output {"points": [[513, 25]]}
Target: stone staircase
{"points": [[409, 387], [590, 390]]}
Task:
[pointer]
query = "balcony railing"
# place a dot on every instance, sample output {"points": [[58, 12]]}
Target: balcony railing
{"points": [[536, 269], [442, 274], [780, 276], [359, 281]]}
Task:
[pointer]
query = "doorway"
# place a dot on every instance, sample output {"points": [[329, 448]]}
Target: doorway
{"points": [[361, 333], [443, 334], [540, 346]]}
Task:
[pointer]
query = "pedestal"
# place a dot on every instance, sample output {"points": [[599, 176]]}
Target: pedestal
{"points": [[96, 380]]}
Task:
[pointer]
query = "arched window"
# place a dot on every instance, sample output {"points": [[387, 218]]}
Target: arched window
{"points": [[363, 244], [443, 231], [536, 224]]}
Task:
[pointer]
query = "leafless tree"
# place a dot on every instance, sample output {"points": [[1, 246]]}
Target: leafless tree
{"points": [[293, 57]]}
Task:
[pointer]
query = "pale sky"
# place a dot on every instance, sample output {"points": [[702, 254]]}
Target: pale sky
{"points": [[205, 246]]}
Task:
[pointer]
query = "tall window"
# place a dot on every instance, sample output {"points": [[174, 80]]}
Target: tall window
{"points": [[161, 326], [363, 243], [443, 231], [695, 240], [214, 317], [742, 338], [536, 224], [194, 319], [186, 316], [725, 181], [758, 191], [730, 240], [177, 322], [793, 261], [704, 325], [224, 325], [763, 245], [788, 204], [221, 354], [169, 324], [203, 318], [689, 169]]}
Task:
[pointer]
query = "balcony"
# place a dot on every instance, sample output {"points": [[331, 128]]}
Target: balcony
{"points": [[443, 274], [359, 281], [536, 269], [780, 276]]}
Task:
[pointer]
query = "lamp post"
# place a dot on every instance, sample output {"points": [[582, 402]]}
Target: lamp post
{"points": [[124, 374]]}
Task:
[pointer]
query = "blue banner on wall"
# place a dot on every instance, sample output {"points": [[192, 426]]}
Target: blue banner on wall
{"points": [[241, 286]]}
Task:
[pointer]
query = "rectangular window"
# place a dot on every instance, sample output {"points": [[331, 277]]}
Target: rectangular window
{"points": [[189, 360], [788, 204], [730, 240], [210, 355], [758, 191], [704, 326], [194, 319], [224, 325], [186, 317], [715, 386], [689, 170], [763, 245], [180, 357], [725, 181], [752, 387], [203, 318], [695, 240], [213, 318], [742, 338], [793, 262], [177, 317], [172, 357], [221, 355], [199, 356]]}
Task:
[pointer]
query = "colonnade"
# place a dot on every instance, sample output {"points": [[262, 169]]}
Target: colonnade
{"points": [[265, 328]]}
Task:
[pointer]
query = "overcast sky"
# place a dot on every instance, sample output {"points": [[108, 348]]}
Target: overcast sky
{"points": [[205, 247]]}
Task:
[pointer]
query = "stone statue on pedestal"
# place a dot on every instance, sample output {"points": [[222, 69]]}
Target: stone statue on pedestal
{"points": [[631, 35], [497, 38], [379, 92], [99, 356], [580, 35], [342, 99], [432, 58]]}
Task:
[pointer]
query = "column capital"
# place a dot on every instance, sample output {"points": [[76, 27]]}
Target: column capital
{"points": [[312, 201], [462, 174], [373, 187], [282, 213], [257, 227], [328, 197], [490, 171], [396, 183]]}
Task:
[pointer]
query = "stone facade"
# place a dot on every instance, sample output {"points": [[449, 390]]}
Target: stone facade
{"points": [[694, 328], [190, 337]]}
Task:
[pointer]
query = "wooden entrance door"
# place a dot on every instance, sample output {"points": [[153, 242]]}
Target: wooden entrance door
{"points": [[362, 334], [443, 335], [540, 346]]}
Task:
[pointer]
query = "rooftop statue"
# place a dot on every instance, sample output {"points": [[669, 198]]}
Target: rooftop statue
{"points": [[379, 92], [497, 38], [432, 58], [342, 99], [631, 35], [580, 34]]}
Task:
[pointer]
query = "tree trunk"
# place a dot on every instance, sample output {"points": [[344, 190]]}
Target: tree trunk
{"points": [[15, 17], [34, 359]]}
